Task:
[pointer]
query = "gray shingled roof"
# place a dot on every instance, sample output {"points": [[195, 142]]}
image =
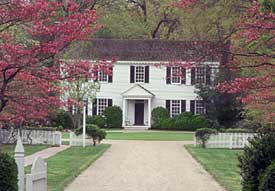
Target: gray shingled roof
{"points": [[146, 50]]}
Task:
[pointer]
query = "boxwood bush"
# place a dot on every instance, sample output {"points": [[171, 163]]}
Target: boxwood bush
{"points": [[159, 114], [98, 120], [113, 117], [8, 173], [267, 180], [94, 132], [256, 158], [167, 124], [204, 134]]}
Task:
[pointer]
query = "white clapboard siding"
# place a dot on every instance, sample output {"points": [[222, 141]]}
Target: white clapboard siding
{"points": [[157, 85], [228, 140]]}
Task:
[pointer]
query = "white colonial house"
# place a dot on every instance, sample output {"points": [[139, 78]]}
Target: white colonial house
{"points": [[143, 78]]}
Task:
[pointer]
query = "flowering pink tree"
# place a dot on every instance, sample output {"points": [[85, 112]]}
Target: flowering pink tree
{"points": [[32, 34]]}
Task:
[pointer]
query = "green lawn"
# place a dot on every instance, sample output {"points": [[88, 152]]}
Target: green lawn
{"points": [[151, 136], [222, 164], [68, 164], [29, 149]]}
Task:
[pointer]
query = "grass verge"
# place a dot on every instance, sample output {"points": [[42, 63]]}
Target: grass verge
{"points": [[67, 165], [222, 164], [151, 136], [29, 149]]}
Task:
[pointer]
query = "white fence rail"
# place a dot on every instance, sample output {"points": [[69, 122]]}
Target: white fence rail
{"points": [[29, 136], [228, 140], [77, 140]]}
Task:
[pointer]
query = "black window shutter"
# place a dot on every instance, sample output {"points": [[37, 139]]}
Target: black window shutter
{"points": [[95, 107], [183, 106], [110, 102], [183, 77], [193, 76], [208, 75], [87, 108], [132, 74], [168, 105], [110, 77], [192, 107], [168, 75], [146, 74], [96, 76]]}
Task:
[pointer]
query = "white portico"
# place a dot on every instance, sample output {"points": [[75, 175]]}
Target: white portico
{"points": [[137, 107]]}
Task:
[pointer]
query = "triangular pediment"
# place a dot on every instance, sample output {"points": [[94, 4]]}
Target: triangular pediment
{"points": [[137, 91]]}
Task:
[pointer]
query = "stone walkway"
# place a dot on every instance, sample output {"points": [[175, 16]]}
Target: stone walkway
{"points": [[46, 153], [145, 166]]}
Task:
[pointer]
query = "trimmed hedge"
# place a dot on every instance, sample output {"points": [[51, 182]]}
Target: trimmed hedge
{"points": [[267, 180], [8, 173], [113, 117], [256, 158], [185, 121]]}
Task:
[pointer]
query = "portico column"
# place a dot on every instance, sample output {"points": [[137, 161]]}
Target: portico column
{"points": [[124, 112], [149, 111]]}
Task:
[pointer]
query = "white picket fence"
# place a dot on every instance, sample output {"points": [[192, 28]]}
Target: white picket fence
{"points": [[228, 140], [29, 136], [77, 140], [37, 179]]}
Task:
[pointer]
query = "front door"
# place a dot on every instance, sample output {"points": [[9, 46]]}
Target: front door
{"points": [[139, 113]]}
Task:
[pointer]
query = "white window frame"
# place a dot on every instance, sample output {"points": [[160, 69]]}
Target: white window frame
{"points": [[172, 114], [200, 108], [102, 104], [139, 74], [173, 76], [103, 77], [200, 75]]}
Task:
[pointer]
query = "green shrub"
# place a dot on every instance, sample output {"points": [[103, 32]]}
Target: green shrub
{"points": [[189, 122], [199, 122], [98, 120], [61, 118], [92, 131], [267, 180], [158, 114], [113, 117], [256, 158], [8, 173], [167, 124], [238, 131], [204, 134]]}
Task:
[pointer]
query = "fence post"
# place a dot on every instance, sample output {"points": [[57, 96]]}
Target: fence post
{"points": [[57, 138], [194, 141], [71, 138], [231, 141], [19, 159], [37, 180]]}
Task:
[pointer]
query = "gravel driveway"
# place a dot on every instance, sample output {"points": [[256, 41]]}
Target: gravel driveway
{"points": [[145, 166]]}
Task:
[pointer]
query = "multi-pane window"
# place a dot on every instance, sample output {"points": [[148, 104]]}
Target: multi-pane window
{"points": [[176, 75], [102, 76], [102, 104], [199, 107], [175, 108], [140, 74], [200, 75]]}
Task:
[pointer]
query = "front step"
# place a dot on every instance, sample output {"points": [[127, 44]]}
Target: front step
{"points": [[136, 128]]}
